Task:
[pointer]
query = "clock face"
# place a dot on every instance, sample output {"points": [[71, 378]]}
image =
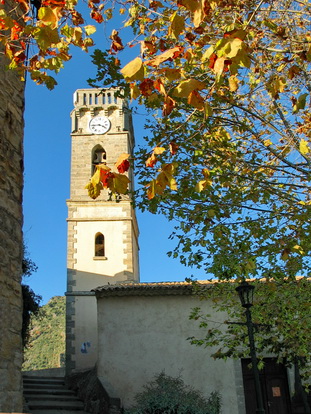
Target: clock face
{"points": [[99, 125]]}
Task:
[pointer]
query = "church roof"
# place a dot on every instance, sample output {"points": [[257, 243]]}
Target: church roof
{"points": [[148, 289], [159, 288]]}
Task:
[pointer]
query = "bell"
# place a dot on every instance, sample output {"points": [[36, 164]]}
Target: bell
{"points": [[99, 157]]}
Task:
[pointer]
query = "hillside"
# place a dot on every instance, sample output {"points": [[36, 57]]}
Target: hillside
{"points": [[46, 347]]}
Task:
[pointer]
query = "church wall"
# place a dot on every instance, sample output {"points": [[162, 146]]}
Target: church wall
{"points": [[11, 219], [141, 336]]}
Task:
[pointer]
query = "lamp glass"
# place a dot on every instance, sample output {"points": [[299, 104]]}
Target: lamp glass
{"points": [[246, 294]]}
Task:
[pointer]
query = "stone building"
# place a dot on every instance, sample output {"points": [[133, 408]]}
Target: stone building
{"points": [[102, 233], [11, 246]]}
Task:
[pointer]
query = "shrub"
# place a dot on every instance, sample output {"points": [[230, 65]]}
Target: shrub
{"points": [[168, 395]]}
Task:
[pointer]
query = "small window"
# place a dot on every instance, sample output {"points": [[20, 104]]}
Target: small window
{"points": [[99, 245]]}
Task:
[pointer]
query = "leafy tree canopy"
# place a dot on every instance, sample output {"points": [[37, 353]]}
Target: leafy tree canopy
{"points": [[281, 317], [228, 149]]}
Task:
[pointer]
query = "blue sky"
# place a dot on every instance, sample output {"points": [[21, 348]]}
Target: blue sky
{"points": [[47, 171]]}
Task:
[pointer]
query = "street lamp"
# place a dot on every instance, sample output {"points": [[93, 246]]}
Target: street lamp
{"points": [[246, 292]]}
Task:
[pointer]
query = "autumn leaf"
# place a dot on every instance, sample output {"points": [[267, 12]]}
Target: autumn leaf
{"points": [[168, 54], [49, 16], [97, 16], [122, 163], [151, 161], [134, 70], [170, 74], [90, 29], [169, 170], [146, 87], [173, 147], [198, 12], [219, 66], [203, 184], [304, 147], [118, 183], [184, 89], [169, 105], [46, 37], [300, 103], [93, 191], [116, 45], [196, 100], [158, 85], [158, 150], [177, 25], [233, 83]]}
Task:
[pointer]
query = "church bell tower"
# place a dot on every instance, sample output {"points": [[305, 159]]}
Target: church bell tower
{"points": [[102, 233]]}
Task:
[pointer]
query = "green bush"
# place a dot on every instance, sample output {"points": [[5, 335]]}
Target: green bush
{"points": [[167, 395]]}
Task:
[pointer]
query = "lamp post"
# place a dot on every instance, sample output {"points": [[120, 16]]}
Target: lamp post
{"points": [[246, 292]]}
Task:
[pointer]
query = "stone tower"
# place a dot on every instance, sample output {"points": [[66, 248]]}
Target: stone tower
{"points": [[102, 233]]}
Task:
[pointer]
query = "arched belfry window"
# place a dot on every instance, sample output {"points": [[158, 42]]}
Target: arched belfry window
{"points": [[98, 156], [99, 245]]}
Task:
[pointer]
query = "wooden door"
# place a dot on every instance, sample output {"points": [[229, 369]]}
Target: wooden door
{"points": [[274, 385]]}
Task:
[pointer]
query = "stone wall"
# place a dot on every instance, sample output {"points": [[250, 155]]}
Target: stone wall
{"points": [[11, 218]]}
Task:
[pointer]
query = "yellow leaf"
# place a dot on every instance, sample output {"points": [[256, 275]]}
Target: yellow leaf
{"points": [[219, 66], [119, 183], [177, 25], [184, 89], [96, 177], [303, 147], [267, 142], [90, 29], [77, 35], [49, 16], [233, 83], [158, 150], [168, 178], [134, 70], [299, 249], [168, 54], [208, 53], [46, 36], [230, 48], [198, 14], [171, 74], [202, 185], [134, 90]]}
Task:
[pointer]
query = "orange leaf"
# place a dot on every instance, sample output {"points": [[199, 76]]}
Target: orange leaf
{"points": [[96, 15], [123, 164], [196, 100], [116, 41], [158, 84], [168, 106], [146, 87], [151, 161], [173, 147]]}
